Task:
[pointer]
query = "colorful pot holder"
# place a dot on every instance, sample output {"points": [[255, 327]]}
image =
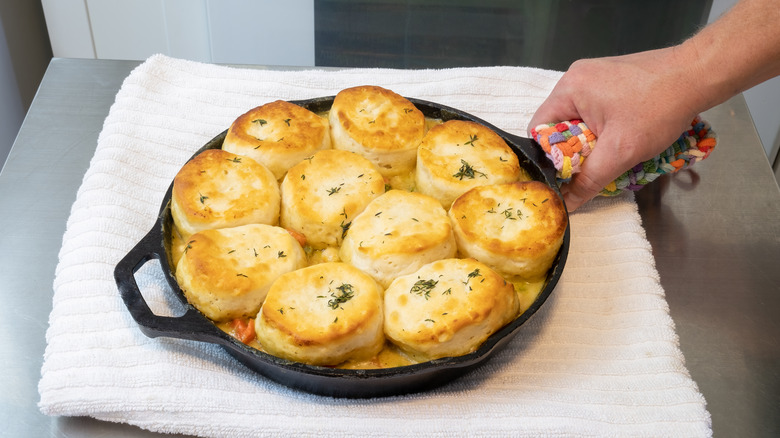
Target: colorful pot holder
{"points": [[567, 144]]}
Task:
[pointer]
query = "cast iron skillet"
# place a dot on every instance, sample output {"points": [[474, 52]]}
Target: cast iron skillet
{"points": [[193, 325]]}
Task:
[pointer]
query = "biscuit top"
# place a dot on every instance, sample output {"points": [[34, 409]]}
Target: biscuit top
{"points": [[235, 259], [330, 188], [278, 125], [378, 118], [217, 189], [443, 298], [219, 268], [467, 154], [515, 219], [399, 222], [323, 303], [275, 132]]}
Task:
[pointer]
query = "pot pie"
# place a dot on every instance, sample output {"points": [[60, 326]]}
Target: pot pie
{"points": [[354, 275]]}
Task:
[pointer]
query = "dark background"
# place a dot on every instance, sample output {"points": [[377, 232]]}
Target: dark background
{"points": [[466, 33]]}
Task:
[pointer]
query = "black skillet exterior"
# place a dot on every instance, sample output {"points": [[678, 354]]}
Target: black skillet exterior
{"points": [[314, 379]]}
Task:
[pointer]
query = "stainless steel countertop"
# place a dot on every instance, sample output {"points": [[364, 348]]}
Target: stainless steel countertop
{"points": [[715, 233]]}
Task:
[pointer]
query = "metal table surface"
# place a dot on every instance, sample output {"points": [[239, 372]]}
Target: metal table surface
{"points": [[715, 233]]}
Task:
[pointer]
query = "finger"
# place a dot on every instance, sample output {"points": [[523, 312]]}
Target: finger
{"points": [[579, 191], [558, 107], [597, 171]]}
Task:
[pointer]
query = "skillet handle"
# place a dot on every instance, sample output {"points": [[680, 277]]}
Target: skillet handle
{"points": [[536, 154], [192, 325]]}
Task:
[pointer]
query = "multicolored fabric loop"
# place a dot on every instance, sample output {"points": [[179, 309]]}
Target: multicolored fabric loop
{"points": [[567, 144]]}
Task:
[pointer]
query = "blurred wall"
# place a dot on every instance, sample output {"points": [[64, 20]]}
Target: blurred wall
{"points": [[24, 54], [11, 107]]}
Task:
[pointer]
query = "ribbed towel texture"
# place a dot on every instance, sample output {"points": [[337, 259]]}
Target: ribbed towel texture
{"points": [[600, 358]]}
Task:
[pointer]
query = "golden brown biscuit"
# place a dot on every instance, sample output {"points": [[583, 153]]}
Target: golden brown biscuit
{"points": [[278, 134], [218, 189], [226, 273], [447, 308], [378, 124], [514, 228], [396, 234], [458, 155], [322, 194], [322, 315]]}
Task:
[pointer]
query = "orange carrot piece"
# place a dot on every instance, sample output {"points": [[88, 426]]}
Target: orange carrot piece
{"points": [[244, 329], [298, 236]]}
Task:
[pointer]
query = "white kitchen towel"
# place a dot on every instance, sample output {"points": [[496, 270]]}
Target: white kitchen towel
{"points": [[600, 358]]}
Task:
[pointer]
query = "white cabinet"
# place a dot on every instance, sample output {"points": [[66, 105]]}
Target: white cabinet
{"points": [[221, 31]]}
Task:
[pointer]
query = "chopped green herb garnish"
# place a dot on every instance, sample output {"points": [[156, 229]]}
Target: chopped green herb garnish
{"points": [[423, 288], [512, 215], [467, 171], [472, 274], [345, 293], [344, 228]]}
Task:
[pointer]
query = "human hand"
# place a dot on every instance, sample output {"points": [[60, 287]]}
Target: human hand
{"points": [[637, 105]]}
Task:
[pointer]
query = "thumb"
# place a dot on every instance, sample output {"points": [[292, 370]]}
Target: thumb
{"points": [[554, 109], [600, 168]]}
